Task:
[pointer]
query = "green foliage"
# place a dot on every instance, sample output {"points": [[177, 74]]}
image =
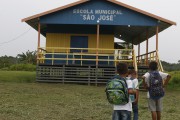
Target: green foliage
{"points": [[174, 83], [22, 67], [23, 62], [29, 57], [6, 61], [17, 76], [171, 66]]}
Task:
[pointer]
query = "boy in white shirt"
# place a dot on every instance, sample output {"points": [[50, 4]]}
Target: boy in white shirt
{"points": [[123, 112], [155, 105]]}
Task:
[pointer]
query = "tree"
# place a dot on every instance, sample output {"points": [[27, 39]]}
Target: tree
{"points": [[28, 57], [6, 61]]}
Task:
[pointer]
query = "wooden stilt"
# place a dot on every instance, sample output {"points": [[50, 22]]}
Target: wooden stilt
{"points": [[39, 32], [157, 38], [97, 44], [38, 50], [139, 50], [147, 46], [157, 41]]}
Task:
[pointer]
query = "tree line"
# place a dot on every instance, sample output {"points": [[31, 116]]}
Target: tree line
{"points": [[28, 57], [171, 66]]}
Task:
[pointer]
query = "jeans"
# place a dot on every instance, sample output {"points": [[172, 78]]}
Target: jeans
{"points": [[135, 111], [121, 115]]}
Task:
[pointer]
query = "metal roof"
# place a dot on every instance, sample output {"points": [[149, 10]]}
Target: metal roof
{"points": [[135, 33]]}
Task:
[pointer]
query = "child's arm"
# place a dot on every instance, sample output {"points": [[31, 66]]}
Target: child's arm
{"points": [[132, 91], [167, 80], [144, 83], [137, 96]]}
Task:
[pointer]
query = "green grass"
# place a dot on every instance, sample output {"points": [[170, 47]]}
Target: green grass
{"points": [[17, 76], [35, 101], [23, 99]]}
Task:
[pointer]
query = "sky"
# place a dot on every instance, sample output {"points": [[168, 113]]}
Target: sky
{"points": [[17, 37]]}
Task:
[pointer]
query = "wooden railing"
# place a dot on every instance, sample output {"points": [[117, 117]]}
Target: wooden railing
{"points": [[86, 54], [145, 59]]}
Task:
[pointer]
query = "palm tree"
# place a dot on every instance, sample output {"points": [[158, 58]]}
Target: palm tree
{"points": [[28, 57]]}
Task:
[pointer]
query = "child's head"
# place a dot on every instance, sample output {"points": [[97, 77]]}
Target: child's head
{"points": [[122, 69], [132, 73], [153, 65]]}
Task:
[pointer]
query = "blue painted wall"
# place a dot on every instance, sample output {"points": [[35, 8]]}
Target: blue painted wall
{"points": [[108, 13], [78, 62]]}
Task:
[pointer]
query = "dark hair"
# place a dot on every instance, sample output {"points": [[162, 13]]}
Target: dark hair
{"points": [[132, 72], [153, 65], [122, 68]]}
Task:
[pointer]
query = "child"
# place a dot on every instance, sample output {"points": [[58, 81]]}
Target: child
{"points": [[123, 112], [134, 98], [155, 102]]}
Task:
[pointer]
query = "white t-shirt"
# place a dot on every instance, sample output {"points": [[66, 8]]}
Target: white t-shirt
{"points": [[135, 83], [127, 106], [146, 75], [135, 86]]}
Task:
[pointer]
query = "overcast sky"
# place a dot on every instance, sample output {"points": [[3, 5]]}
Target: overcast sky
{"points": [[11, 27]]}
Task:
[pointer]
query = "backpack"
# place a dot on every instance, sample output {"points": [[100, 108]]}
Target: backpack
{"points": [[156, 90], [117, 91]]}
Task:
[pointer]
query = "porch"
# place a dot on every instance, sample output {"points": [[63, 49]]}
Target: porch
{"points": [[88, 65]]}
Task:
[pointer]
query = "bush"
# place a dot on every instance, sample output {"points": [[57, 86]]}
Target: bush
{"points": [[22, 67], [17, 76], [175, 80]]}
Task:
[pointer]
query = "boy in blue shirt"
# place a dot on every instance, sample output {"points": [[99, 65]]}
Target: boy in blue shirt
{"points": [[134, 98]]}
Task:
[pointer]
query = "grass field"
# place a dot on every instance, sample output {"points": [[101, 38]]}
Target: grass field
{"points": [[23, 99], [17, 76], [37, 101]]}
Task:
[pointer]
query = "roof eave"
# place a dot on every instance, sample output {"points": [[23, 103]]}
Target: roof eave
{"points": [[143, 12], [113, 1], [53, 10]]}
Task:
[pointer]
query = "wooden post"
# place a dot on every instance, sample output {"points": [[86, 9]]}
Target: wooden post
{"points": [[39, 33], [133, 51], [157, 41], [139, 49], [97, 44], [132, 44], [139, 46], [147, 46]]}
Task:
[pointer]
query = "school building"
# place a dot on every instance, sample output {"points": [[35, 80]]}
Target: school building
{"points": [[80, 40]]}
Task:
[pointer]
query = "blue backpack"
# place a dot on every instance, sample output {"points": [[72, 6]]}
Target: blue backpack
{"points": [[156, 90], [117, 91]]}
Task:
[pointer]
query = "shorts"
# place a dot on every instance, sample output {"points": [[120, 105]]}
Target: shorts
{"points": [[155, 105], [121, 115]]}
